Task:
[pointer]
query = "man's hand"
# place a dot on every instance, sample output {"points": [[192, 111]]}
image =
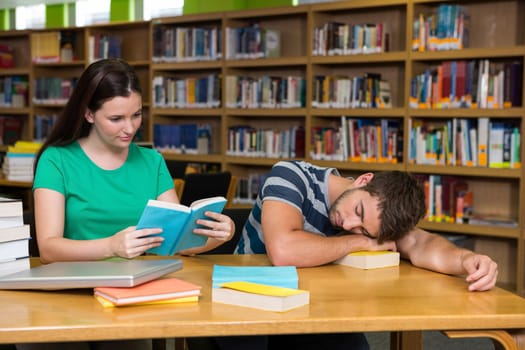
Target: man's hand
{"points": [[482, 271]]}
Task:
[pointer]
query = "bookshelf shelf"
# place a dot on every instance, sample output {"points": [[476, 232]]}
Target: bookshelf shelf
{"points": [[474, 53], [467, 112], [267, 112], [357, 112], [267, 62], [465, 171], [488, 231], [389, 57], [189, 112], [207, 158]]}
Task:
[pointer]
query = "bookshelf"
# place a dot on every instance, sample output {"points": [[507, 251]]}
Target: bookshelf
{"points": [[496, 190]]}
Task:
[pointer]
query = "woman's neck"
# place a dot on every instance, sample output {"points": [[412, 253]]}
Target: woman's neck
{"points": [[103, 155]]}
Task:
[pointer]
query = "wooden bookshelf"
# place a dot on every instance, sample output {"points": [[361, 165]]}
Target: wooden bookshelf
{"points": [[398, 64], [500, 190]]}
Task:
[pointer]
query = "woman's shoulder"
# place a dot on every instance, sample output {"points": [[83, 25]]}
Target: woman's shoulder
{"points": [[56, 151]]}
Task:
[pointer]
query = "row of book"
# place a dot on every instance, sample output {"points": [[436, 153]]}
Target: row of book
{"points": [[43, 124], [449, 199], [53, 46], [7, 56], [337, 38], [483, 142], [247, 188], [367, 91], [359, 140], [252, 42], [265, 92], [247, 141], [10, 129], [186, 44], [191, 92], [446, 29], [14, 91], [53, 90], [102, 46], [192, 138], [468, 84], [14, 237]]}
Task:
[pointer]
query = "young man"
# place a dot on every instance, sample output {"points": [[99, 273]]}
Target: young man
{"points": [[306, 215]]}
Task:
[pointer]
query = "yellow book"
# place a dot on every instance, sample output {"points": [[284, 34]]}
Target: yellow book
{"points": [[106, 303], [260, 296], [370, 259], [24, 147]]}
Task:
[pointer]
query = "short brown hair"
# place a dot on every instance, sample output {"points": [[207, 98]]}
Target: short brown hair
{"points": [[401, 203]]}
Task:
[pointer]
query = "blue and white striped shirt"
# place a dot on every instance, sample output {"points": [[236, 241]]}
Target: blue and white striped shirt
{"points": [[299, 184]]}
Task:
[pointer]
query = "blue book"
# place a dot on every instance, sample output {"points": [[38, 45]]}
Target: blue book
{"points": [[279, 276], [178, 222]]}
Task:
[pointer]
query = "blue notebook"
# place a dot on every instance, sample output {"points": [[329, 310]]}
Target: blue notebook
{"points": [[280, 276]]}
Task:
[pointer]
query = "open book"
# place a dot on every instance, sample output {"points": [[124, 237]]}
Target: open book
{"points": [[178, 222], [370, 259]]}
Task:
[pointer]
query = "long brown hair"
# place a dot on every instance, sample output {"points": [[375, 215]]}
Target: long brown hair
{"points": [[100, 81]]}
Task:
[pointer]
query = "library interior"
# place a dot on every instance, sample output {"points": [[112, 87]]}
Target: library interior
{"points": [[431, 87]]}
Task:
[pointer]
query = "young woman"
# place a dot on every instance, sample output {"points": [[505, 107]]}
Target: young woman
{"points": [[92, 182]]}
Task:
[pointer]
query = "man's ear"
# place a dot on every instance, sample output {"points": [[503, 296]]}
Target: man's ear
{"points": [[362, 180]]}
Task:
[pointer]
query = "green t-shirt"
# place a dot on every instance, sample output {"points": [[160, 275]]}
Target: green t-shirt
{"points": [[100, 203]]}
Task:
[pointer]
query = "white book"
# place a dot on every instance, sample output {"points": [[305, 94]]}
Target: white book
{"points": [[8, 267], [483, 138], [370, 259], [14, 249], [14, 233], [10, 207]]}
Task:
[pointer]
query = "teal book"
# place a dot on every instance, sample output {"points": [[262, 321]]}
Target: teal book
{"points": [[177, 222], [279, 276]]}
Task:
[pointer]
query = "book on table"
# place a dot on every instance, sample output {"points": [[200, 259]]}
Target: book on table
{"points": [[11, 212], [279, 276], [165, 290], [8, 234], [10, 266], [260, 296], [370, 259], [178, 222], [11, 250]]}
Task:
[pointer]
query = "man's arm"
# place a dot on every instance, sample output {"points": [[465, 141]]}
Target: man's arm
{"points": [[287, 243], [435, 253]]}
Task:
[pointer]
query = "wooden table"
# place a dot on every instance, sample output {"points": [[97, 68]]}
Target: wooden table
{"points": [[342, 299]]}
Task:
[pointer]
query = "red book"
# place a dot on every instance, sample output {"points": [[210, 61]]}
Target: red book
{"points": [[160, 289]]}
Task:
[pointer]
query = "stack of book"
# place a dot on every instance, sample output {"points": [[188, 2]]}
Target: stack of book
{"points": [[14, 237], [270, 288], [18, 164], [160, 291]]}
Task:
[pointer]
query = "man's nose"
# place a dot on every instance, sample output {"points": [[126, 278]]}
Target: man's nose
{"points": [[351, 222]]}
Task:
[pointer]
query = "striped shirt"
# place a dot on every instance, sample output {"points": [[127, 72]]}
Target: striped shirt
{"points": [[299, 184]]}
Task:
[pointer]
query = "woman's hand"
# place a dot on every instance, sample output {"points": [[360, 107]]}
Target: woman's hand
{"points": [[220, 228], [130, 243]]}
